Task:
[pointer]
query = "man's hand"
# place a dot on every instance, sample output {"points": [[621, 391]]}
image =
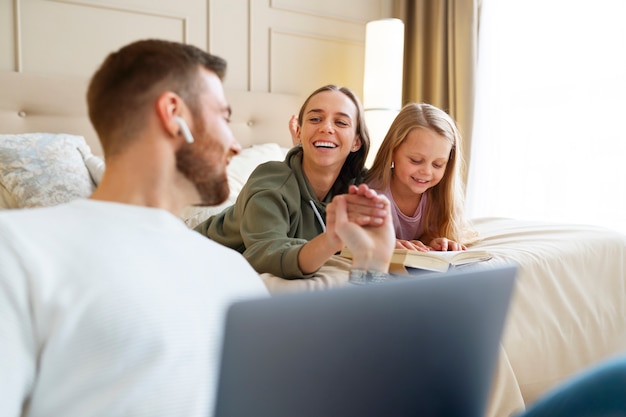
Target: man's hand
{"points": [[371, 246]]}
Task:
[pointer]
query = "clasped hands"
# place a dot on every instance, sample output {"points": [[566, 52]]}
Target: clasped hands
{"points": [[362, 220]]}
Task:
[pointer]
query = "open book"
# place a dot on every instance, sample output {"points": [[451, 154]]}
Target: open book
{"points": [[432, 260]]}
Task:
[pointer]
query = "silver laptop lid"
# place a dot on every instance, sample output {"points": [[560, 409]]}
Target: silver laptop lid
{"points": [[422, 346]]}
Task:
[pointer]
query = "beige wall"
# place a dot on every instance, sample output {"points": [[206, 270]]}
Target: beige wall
{"points": [[285, 46]]}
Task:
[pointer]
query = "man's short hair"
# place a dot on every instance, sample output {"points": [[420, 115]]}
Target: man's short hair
{"points": [[129, 80]]}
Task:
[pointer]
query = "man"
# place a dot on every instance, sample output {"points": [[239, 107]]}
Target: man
{"points": [[111, 306]]}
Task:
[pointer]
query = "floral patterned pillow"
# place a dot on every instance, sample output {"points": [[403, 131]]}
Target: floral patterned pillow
{"points": [[43, 169]]}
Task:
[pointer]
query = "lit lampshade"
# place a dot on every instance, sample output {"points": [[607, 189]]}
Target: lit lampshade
{"points": [[382, 80]]}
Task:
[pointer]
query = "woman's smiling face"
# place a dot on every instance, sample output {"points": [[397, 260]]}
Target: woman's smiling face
{"points": [[328, 131]]}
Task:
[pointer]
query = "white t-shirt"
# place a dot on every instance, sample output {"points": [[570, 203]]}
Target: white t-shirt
{"points": [[109, 309]]}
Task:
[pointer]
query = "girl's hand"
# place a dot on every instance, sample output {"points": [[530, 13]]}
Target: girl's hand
{"points": [[293, 129], [412, 245], [443, 244]]}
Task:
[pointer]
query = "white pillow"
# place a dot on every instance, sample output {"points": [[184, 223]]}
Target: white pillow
{"points": [[95, 165], [43, 169], [239, 169]]}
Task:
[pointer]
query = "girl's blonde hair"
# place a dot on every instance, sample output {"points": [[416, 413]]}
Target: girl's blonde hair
{"points": [[444, 213]]}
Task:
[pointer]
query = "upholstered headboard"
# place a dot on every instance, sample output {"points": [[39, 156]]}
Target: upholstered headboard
{"points": [[55, 104]]}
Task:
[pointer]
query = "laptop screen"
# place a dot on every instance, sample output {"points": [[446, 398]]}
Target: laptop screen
{"points": [[422, 346]]}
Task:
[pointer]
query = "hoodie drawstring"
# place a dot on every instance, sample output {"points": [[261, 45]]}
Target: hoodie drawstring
{"points": [[318, 215]]}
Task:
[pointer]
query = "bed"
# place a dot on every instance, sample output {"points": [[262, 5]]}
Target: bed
{"points": [[569, 308]]}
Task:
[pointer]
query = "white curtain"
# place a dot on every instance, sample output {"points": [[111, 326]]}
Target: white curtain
{"points": [[549, 139]]}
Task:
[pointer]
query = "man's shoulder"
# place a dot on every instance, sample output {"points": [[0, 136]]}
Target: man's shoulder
{"points": [[34, 213]]}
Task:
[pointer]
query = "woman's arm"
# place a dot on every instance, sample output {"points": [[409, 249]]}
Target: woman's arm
{"points": [[318, 250]]}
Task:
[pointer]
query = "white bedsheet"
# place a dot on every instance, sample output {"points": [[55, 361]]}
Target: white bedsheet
{"points": [[569, 308]]}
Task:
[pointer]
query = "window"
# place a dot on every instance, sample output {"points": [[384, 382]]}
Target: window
{"points": [[549, 141]]}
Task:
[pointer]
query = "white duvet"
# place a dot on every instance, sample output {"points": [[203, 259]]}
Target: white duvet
{"points": [[569, 308]]}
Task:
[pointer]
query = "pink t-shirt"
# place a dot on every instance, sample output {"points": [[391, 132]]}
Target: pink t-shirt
{"points": [[407, 227]]}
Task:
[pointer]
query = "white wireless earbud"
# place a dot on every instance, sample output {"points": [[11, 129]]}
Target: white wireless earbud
{"points": [[184, 129]]}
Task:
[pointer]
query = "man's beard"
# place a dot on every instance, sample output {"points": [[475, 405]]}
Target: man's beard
{"points": [[212, 185]]}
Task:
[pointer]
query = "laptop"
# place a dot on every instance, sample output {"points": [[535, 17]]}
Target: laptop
{"points": [[422, 346]]}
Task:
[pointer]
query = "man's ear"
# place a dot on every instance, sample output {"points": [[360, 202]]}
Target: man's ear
{"points": [[168, 105]]}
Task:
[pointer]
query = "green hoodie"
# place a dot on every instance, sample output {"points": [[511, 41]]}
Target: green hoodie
{"points": [[273, 217]]}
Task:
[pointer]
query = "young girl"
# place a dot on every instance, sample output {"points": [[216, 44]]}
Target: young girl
{"points": [[278, 220], [418, 168]]}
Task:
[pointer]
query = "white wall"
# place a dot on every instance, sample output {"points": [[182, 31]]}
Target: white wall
{"points": [[286, 46]]}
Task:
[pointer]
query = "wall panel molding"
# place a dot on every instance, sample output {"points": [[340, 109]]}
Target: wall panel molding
{"points": [[17, 46], [107, 26], [131, 10], [283, 46], [328, 60], [341, 11]]}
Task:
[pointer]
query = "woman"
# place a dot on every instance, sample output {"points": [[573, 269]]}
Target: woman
{"points": [[278, 220]]}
